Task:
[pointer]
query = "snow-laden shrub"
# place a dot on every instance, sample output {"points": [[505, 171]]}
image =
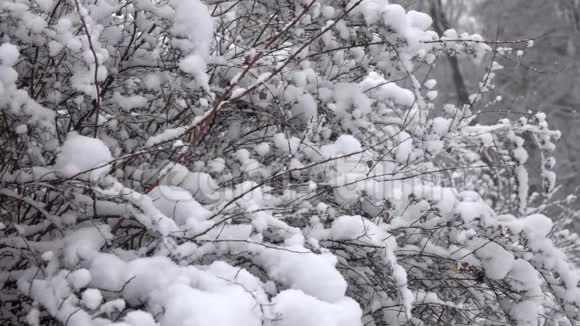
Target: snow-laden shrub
{"points": [[276, 163]]}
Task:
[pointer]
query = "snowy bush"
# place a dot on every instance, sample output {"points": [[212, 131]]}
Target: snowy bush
{"points": [[282, 163]]}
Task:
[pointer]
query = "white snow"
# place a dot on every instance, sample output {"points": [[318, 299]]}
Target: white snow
{"points": [[429, 84], [139, 318], [344, 145], [525, 312], [82, 244], [496, 261], [80, 278], [194, 23], [294, 308], [349, 97], [217, 165], [200, 185], [404, 147], [21, 129], [152, 82], [395, 17], [359, 219], [286, 145], [355, 228], [83, 157], [297, 268], [45, 5], [92, 298], [8, 54], [328, 12], [262, 149], [128, 103], [306, 108], [166, 135], [193, 28], [385, 90], [193, 64], [108, 272], [178, 204]]}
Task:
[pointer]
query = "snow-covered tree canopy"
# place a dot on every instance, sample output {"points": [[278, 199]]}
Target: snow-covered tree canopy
{"points": [[258, 162]]}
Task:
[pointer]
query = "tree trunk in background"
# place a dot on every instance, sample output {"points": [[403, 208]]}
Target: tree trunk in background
{"points": [[440, 25]]}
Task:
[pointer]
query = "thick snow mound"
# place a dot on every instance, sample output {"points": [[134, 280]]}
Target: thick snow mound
{"points": [[293, 307], [8, 54], [177, 203], [83, 157], [356, 228], [297, 268]]}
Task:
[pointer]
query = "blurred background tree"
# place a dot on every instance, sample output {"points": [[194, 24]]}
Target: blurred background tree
{"points": [[543, 77], [546, 76]]}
